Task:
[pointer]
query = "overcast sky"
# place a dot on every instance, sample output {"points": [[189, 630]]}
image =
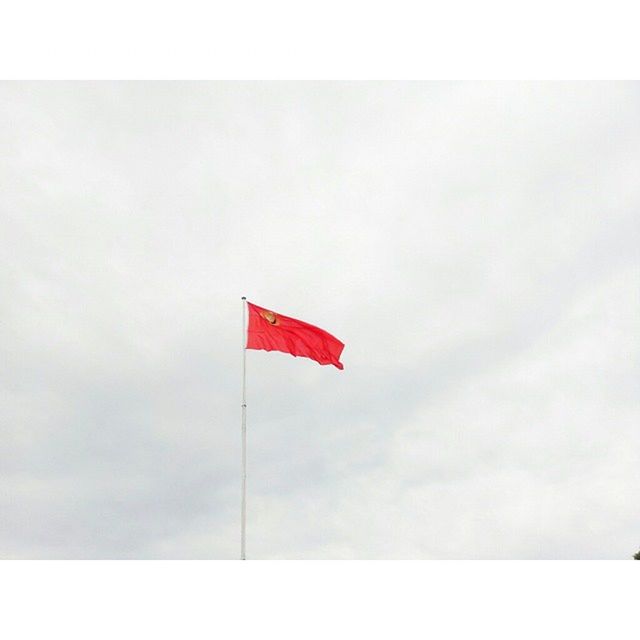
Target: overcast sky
{"points": [[474, 245]]}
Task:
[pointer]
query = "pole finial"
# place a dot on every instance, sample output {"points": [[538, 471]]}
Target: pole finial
{"points": [[244, 297]]}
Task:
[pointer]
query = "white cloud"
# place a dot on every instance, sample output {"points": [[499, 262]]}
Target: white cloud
{"points": [[475, 246]]}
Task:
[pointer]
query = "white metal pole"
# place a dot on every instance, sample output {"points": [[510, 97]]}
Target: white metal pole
{"points": [[243, 516]]}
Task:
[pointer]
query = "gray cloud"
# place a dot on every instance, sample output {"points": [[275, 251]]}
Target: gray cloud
{"points": [[473, 244]]}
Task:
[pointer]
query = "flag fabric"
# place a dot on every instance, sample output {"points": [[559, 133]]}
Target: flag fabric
{"points": [[271, 331]]}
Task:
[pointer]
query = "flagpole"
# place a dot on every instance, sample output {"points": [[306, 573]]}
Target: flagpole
{"points": [[243, 514]]}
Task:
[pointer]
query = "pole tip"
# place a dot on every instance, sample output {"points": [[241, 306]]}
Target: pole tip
{"points": [[244, 297]]}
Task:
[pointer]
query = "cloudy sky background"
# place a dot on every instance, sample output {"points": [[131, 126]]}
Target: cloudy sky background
{"points": [[474, 245]]}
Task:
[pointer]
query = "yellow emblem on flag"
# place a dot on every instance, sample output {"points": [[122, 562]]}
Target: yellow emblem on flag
{"points": [[270, 317]]}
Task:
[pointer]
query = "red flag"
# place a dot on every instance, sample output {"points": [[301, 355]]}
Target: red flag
{"points": [[272, 331]]}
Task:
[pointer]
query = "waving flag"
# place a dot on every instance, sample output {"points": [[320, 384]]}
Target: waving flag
{"points": [[271, 331]]}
